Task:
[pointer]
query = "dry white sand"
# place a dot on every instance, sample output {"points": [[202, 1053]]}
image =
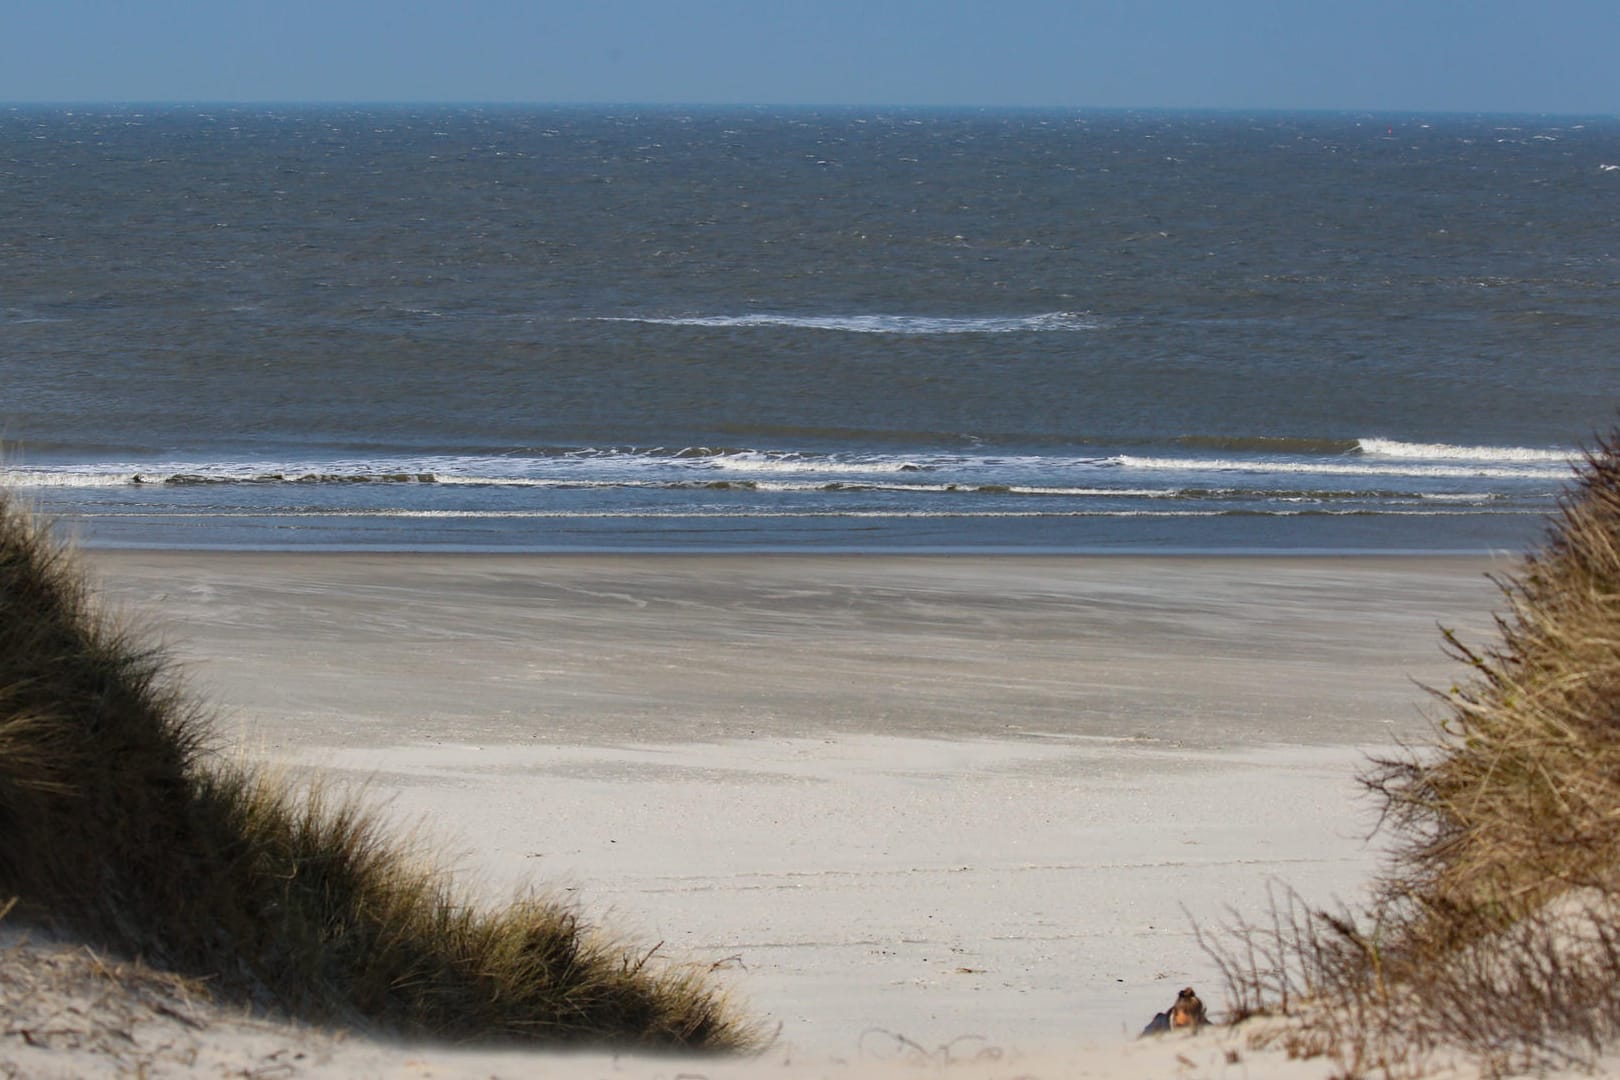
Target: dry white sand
{"points": [[967, 805]]}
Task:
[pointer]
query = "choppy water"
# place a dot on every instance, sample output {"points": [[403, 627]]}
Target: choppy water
{"points": [[784, 329]]}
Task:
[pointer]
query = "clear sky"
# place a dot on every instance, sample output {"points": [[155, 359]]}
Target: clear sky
{"points": [[1427, 55]]}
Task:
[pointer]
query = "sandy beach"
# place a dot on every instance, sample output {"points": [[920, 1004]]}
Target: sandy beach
{"points": [[971, 805]]}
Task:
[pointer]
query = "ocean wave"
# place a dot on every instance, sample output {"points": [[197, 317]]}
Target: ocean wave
{"points": [[1459, 496], [881, 324], [1373, 475], [727, 513], [102, 478], [1329, 446], [766, 462], [1506, 469], [1262, 466], [1393, 448], [32, 478]]}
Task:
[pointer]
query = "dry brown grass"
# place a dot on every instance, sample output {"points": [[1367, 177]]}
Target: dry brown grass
{"points": [[117, 821], [1494, 933]]}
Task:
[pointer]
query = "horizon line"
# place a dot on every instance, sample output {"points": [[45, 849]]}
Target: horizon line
{"points": [[469, 103]]}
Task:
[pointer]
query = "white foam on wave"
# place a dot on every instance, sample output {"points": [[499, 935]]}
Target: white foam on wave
{"points": [[1393, 448], [1096, 493], [757, 462], [853, 487], [37, 478], [1413, 468], [1457, 496], [963, 487], [883, 324]]}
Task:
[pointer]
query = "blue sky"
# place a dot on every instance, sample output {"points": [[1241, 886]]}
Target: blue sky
{"points": [[1437, 55]]}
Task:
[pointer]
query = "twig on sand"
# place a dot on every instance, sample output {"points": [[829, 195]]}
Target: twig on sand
{"points": [[944, 1054]]}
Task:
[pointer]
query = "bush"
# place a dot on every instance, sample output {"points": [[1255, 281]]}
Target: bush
{"points": [[1494, 929], [118, 822]]}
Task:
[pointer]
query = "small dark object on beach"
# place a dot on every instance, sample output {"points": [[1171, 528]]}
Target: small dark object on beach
{"points": [[1187, 1012]]}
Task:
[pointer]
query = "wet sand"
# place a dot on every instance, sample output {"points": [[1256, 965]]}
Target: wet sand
{"points": [[1206, 653]]}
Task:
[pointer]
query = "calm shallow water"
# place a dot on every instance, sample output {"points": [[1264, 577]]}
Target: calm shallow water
{"points": [[788, 329]]}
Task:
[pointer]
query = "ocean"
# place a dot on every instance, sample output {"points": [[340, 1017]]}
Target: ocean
{"points": [[770, 329]]}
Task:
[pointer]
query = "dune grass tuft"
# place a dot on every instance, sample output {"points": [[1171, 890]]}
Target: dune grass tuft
{"points": [[119, 822], [1495, 929]]}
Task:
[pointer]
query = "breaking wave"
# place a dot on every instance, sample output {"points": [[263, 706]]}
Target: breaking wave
{"points": [[1392, 448], [1254, 463], [1505, 469]]}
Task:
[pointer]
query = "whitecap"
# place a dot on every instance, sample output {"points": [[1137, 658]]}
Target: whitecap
{"points": [[1393, 448], [882, 323], [1503, 470]]}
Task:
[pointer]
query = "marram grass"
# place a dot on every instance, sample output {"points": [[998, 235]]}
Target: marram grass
{"points": [[118, 822], [1495, 930]]}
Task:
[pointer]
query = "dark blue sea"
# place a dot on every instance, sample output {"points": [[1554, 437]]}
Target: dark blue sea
{"points": [[803, 329]]}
